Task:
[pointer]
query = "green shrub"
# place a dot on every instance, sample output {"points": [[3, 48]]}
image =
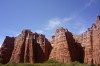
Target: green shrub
{"points": [[76, 63], [51, 61]]}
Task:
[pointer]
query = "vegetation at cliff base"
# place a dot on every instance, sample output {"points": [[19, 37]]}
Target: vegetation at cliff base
{"points": [[50, 62], [46, 64]]}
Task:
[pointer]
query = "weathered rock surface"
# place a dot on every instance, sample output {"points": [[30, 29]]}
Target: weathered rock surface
{"points": [[6, 49], [64, 46], [85, 47], [90, 40], [30, 47], [60, 50]]}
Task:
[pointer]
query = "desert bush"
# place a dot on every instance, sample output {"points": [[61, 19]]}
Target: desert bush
{"points": [[76, 63], [51, 61]]}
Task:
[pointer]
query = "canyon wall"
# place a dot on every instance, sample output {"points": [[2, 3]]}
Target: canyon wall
{"points": [[90, 40], [28, 47], [6, 49], [68, 47], [65, 49], [64, 46]]}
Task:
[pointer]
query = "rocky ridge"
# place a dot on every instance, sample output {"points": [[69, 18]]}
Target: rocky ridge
{"points": [[64, 46]]}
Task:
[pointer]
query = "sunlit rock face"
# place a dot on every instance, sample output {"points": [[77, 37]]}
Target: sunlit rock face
{"points": [[91, 42], [96, 41], [65, 49], [64, 46], [68, 47], [30, 47]]}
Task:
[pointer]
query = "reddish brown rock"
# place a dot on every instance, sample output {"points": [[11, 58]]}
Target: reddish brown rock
{"points": [[96, 41], [6, 49], [90, 40], [23, 48], [85, 47], [30, 47], [64, 47], [60, 50]]}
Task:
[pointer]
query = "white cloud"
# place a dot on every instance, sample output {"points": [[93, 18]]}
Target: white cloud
{"points": [[67, 19], [83, 29], [56, 22], [53, 23], [13, 33], [39, 31], [16, 34], [1, 40], [89, 3], [0, 45], [77, 25]]}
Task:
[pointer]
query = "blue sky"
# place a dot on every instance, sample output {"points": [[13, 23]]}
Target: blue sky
{"points": [[44, 16]]}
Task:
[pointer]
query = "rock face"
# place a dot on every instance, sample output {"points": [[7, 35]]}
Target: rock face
{"points": [[90, 40], [30, 47], [93, 44], [64, 46], [85, 47], [23, 48], [6, 49], [60, 50]]}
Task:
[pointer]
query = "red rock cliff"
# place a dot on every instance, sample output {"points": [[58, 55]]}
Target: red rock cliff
{"points": [[90, 40], [66, 47], [6, 49], [30, 47], [85, 47]]}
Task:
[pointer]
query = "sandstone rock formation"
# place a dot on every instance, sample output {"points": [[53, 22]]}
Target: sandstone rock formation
{"points": [[30, 47], [84, 47], [27, 47], [60, 50], [65, 49], [90, 40], [64, 46], [6, 49]]}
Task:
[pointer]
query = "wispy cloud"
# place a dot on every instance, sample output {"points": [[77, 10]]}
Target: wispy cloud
{"points": [[67, 19], [74, 23], [39, 31], [0, 45], [83, 29], [52, 24], [77, 25], [89, 3], [1, 40], [55, 22]]}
